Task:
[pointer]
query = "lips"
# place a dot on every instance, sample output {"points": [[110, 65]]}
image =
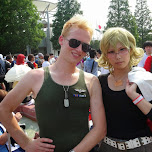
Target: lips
{"points": [[75, 54], [119, 62]]}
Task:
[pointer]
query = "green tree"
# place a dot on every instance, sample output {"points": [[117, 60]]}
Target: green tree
{"points": [[95, 44], [120, 16], [65, 10], [19, 26], [143, 21]]}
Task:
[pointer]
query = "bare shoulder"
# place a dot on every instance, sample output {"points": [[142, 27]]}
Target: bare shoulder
{"points": [[90, 78], [36, 74], [91, 81], [33, 80]]}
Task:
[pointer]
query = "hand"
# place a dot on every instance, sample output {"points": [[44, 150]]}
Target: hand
{"points": [[40, 145], [131, 90], [18, 116]]}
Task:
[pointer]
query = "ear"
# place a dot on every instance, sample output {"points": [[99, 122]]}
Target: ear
{"points": [[61, 40]]}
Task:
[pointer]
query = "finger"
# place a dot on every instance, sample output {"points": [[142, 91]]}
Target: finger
{"points": [[46, 140], [46, 145]]}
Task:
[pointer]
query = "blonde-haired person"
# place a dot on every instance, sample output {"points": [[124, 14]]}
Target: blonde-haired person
{"points": [[63, 95], [126, 109]]}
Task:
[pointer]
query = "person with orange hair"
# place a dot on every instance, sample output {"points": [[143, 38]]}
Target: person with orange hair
{"points": [[63, 94]]}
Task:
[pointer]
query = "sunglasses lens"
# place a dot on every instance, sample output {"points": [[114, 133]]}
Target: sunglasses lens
{"points": [[74, 43], [86, 47]]}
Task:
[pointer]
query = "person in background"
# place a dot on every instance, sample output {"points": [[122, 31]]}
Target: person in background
{"points": [[16, 73], [126, 109], [4, 68], [46, 61], [5, 138], [51, 58], [63, 94], [98, 53], [148, 62], [39, 60], [148, 51], [30, 61], [9, 59], [14, 61], [101, 70], [90, 65]]}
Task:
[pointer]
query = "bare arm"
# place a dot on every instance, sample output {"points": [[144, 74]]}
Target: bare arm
{"points": [[3, 138], [144, 105], [98, 116], [11, 102]]}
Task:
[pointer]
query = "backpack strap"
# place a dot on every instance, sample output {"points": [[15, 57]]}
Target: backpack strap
{"points": [[92, 66]]}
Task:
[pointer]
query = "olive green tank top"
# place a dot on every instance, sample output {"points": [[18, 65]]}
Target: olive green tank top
{"points": [[67, 126]]}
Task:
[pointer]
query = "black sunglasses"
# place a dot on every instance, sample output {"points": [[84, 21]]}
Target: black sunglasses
{"points": [[73, 43]]}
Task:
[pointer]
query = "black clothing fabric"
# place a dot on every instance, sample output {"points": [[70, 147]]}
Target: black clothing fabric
{"points": [[3, 70], [30, 65], [124, 119], [149, 115]]}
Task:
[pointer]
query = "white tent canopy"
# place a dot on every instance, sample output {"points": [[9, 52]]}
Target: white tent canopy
{"points": [[44, 5]]}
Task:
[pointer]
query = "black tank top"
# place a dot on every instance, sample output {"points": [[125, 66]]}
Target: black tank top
{"points": [[124, 119], [66, 126]]}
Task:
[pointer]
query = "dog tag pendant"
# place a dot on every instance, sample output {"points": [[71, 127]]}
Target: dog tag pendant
{"points": [[66, 100], [66, 103]]}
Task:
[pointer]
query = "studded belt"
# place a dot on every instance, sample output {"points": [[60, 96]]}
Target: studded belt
{"points": [[130, 144]]}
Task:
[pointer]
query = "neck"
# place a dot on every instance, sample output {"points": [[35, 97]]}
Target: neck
{"points": [[148, 54], [121, 73], [64, 67]]}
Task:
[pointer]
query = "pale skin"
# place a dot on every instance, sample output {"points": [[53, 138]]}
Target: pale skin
{"points": [[148, 50], [4, 136], [121, 69], [64, 75]]}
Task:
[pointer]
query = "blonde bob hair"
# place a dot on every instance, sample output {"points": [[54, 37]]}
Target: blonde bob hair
{"points": [[119, 35], [77, 21]]}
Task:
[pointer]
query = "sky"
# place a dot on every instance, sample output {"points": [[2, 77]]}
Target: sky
{"points": [[96, 11]]}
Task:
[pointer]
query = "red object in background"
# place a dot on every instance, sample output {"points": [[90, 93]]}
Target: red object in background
{"points": [[35, 65], [27, 111], [99, 26], [90, 115], [149, 123]]}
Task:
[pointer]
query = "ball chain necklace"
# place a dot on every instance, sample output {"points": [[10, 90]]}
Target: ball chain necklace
{"points": [[66, 100]]}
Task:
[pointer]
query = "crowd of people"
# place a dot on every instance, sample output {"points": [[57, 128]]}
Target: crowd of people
{"points": [[65, 89], [10, 71]]}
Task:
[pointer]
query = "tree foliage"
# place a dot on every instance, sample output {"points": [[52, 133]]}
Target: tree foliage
{"points": [[19, 26], [120, 16], [95, 44], [65, 10], [143, 20]]}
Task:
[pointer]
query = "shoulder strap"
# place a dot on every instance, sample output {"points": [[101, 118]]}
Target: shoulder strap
{"points": [[92, 66]]}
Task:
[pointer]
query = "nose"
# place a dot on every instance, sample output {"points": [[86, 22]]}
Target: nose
{"points": [[117, 55]]}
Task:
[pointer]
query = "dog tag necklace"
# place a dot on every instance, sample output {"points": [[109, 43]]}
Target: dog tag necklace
{"points": [[66, 100]]}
